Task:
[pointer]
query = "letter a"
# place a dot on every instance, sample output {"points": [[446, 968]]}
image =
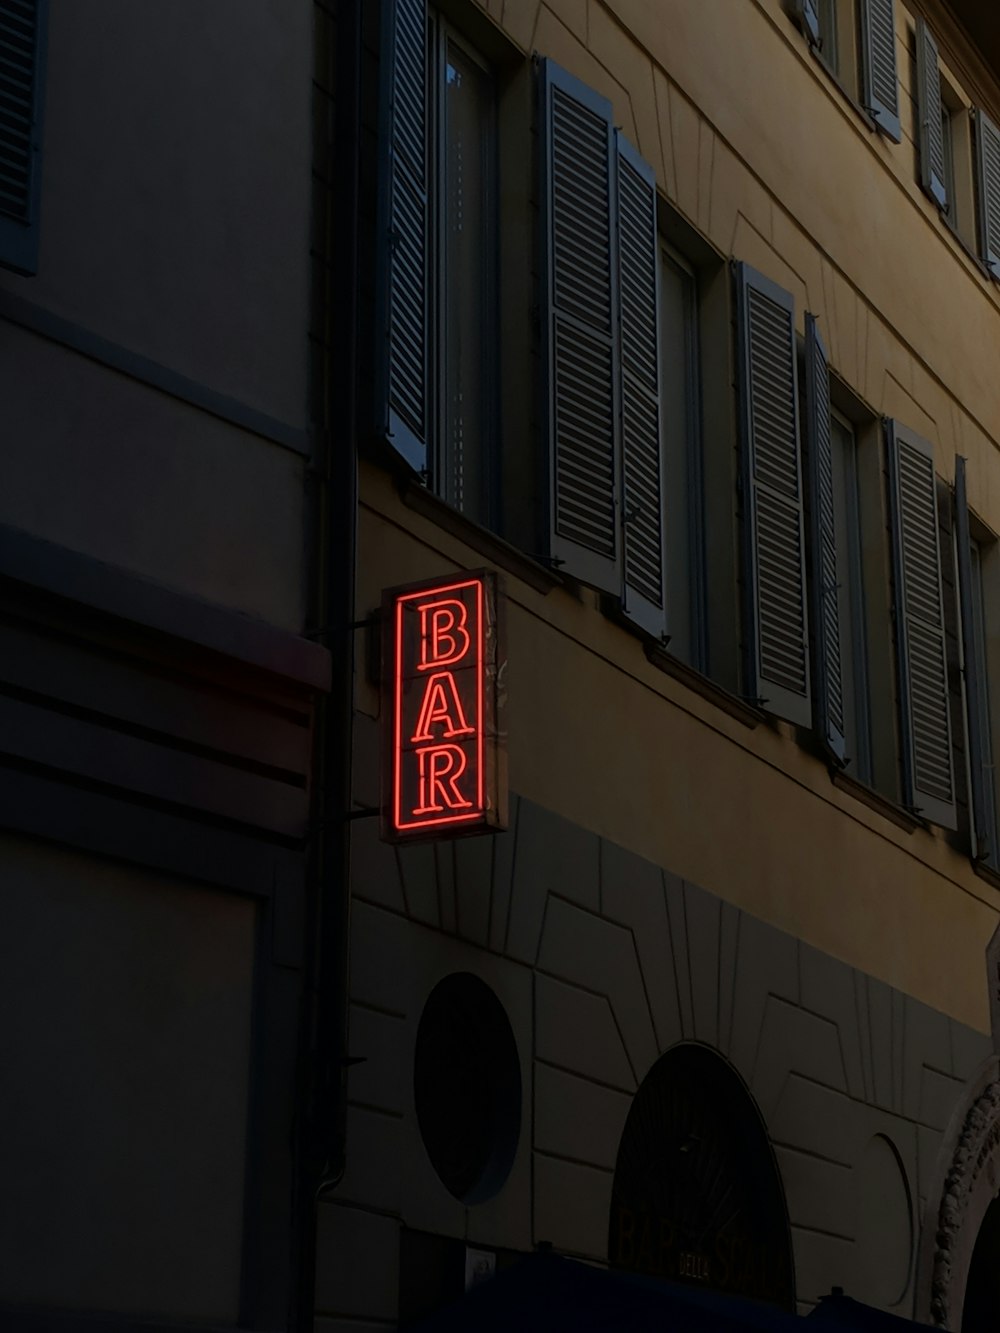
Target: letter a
{"points": [[437, 707]]}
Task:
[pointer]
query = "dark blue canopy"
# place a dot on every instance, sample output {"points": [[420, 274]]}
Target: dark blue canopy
{"points": [[545, 1293]]}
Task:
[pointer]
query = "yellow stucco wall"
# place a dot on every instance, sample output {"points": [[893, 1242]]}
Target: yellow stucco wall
{"points": [[755, 145]]}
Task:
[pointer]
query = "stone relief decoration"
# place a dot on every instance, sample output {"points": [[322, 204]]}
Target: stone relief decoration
{"points": [[974, 1171]]}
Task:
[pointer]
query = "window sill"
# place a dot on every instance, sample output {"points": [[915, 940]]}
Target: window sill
{"points": [[708, 689], [882, 805], [488, 544], [962, 243], [987, 873]]}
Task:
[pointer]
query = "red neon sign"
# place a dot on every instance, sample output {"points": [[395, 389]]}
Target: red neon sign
{"points": [[441, 670]]}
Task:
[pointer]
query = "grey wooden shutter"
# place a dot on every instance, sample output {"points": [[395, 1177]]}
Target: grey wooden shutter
{"points": [[581, 329], [807, 13], [929, 110], [777, 653], [988, 167], [975, 686], [928, 778], [403, 232], [643, 594], [22, 81], [828, 689], [880, 91]]}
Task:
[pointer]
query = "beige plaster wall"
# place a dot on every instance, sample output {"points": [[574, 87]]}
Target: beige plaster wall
{"points": [[761, 151]]}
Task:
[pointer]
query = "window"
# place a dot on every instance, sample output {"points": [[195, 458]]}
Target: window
{"points": [[944, 139], [856, 40], [842, 510], [976, 560], [462, 219], [438, 283], [682, 462], [851, 599], [22, 56]]}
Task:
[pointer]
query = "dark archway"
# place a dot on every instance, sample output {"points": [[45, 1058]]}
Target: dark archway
{"points": [[697, 1196], [982, 1291]]}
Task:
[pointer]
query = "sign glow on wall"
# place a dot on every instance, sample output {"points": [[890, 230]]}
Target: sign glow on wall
{"points": [[442, 674]]}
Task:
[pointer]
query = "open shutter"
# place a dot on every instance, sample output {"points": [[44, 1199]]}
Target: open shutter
{"points": [[828, 690], [643, 595], [807, 13], [402, 232], [581, 329], [980, 778], [928, 779], [773, 531], [932, 164], [22, 82], [878, 50], [988, 166]]}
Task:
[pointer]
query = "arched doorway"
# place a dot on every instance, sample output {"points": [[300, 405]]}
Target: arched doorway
{"points": [[697, 1196], [982, 1291], [959, 1271]]}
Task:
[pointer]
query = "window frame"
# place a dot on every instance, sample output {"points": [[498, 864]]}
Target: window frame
{"points": [[853, 618], [694, 653], [441, 35]]}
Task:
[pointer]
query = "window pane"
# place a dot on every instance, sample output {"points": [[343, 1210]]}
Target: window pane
{"points": [[850, 600], [467, 302], [680, 438], [828, 33], [978, 647]]}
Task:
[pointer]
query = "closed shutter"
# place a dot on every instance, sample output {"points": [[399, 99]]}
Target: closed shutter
{"points": [[643, 596], [928, 779], [980, 781], [828, 703], [402, 232], [581, 330], [878, 50], [929, 109], [777, 656], [22, 79], [988, 165]]}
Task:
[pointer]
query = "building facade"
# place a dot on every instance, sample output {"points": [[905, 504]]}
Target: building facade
{"points": [[678, 320], [683, 318]]}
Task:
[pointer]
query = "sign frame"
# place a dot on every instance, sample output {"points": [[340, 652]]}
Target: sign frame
{"points": [[481, 696]]}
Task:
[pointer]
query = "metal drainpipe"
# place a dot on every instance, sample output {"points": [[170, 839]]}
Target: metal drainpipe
{"points": [[323, 1091]]}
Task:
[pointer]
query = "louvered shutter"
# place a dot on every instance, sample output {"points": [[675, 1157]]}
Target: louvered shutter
{"points": [[402, 388], [928, 779], [22, 79], [975, 687], [777, 653], [581, 329], [807, 13], [643, 595], [878, 49], [929, 109], [828, 689], [988, 164]]}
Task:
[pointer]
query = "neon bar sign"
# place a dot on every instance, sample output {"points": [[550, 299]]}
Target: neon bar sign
{"points": [[443, 667]]}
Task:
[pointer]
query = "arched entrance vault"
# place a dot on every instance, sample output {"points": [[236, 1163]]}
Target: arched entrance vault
{"points": [[959, 1284], [697, 1196]]}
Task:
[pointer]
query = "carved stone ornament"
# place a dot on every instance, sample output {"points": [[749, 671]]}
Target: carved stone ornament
{"points": [[974, 1174]]}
